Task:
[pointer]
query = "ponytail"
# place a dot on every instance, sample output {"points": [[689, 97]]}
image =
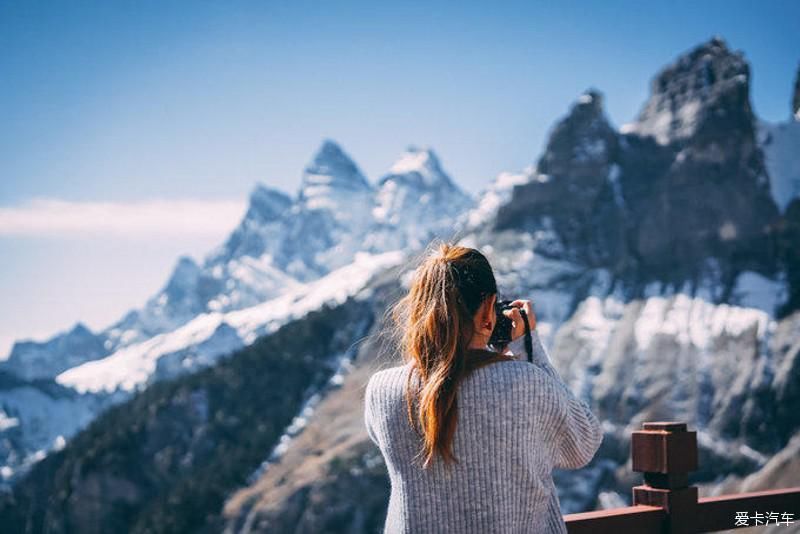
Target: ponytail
{"points": [[435, 319]]}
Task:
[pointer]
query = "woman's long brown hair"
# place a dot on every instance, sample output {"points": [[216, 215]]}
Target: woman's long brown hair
{"points": [[435, 320]]}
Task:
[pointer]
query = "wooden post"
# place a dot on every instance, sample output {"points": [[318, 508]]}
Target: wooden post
{"points": [[666, 452]]}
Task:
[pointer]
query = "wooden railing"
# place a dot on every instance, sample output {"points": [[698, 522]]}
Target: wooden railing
{"points": [[666, 453]]}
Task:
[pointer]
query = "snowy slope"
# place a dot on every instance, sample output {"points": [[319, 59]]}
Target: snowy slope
{"points": [[133, 366]]}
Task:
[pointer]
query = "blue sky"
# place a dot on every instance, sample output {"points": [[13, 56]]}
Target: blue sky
{"points": [[123, 104]]}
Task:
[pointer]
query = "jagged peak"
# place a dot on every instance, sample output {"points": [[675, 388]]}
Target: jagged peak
{"points": [[414, 159], [582, 136], [591, 100], [331, 166], [185, 271], [80, 329], [585, 111], [715, 45], [264, 191], [707, 76], [585, 114], [422, 161], [707, 63], [267, 203], [186, 262]]}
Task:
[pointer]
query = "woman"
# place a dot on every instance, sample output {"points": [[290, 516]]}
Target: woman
{"points": [[469, 435]]}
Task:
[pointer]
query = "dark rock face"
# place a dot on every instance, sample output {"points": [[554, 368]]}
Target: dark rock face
{"points": [[705, 87], [579, 165], [758, 406], [789, 248], [681, 196], [712, 199]]}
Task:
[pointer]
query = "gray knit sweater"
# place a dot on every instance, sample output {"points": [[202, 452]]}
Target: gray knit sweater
{"points": [[516, 422]]}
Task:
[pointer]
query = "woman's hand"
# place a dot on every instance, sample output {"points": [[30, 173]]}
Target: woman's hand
{"points": [[518, 326]]}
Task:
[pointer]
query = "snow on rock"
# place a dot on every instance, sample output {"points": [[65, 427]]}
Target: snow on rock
{"points": [[694, 321], [421, 161], [132, 366], [7, 422], [416, 201], [32, 419], [673, 357], [497, 194]]}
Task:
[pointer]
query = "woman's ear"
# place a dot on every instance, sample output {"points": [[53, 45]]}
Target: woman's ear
{"points": [[486, 316]]}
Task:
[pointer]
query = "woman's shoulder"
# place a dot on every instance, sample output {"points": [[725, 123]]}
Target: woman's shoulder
{"points": [[388, 377], [504, 373]]}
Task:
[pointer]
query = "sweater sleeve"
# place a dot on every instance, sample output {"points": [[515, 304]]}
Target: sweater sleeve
{"points": [[540, 357], [581, 434], [578, 429], [368, 413]]}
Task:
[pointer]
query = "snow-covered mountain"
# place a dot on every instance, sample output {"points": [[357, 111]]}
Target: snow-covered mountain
{"points": [[413, 199], [285, 257], [207, 337], [279, 244]]}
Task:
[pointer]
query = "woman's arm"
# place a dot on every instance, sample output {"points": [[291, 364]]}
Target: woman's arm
{"points": [[579, 430], [540, 355]]}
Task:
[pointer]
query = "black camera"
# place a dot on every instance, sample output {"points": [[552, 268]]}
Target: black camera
{"points": [[501, 335]]}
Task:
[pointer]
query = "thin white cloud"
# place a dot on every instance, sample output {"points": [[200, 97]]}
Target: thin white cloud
{"points": [[48, 217]]}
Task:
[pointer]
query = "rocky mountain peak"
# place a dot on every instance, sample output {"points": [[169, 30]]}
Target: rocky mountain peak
{"points": [[178, 300], [80, 330], [331, 167], [589, 103], [710, 83], [31, 359], [267, 204], [415, 201], [422, 161], [581, 141], [185, 268]]}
